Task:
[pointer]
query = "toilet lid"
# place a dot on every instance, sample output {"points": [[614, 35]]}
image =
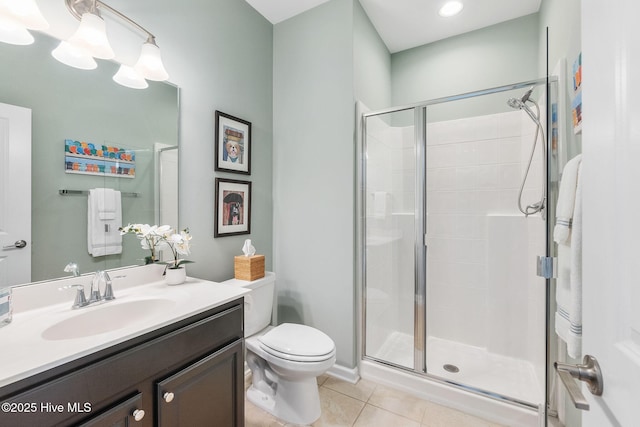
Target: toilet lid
{"points": [[297, 340]]}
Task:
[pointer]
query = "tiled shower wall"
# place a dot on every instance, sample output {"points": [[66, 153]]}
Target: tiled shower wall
{"points": [[482, 289]]}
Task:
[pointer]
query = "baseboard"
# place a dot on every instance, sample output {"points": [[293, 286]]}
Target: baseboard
{"points": [[337, 371], [343, 373]]}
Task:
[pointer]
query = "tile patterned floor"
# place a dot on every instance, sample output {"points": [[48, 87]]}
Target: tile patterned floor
{"points": [[367, 404]]}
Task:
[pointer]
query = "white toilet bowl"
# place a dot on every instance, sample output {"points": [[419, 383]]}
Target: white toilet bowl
{"points": [[285, 362]]}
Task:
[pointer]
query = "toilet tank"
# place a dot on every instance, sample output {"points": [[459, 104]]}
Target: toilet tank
{"points": [[258, 303]]}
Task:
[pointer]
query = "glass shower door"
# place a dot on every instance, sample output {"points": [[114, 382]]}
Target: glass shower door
{"points": [[450, 236], [390, 228], [485, 303]]}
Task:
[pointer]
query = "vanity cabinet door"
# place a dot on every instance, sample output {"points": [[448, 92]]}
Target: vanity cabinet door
{"points": [[209, 392], [126, 414]]}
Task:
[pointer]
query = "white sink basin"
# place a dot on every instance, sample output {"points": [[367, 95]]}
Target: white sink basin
{"points": [[109, 316]]}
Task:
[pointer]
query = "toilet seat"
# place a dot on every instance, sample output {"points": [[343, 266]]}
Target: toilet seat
{"points": [[298, 343]]}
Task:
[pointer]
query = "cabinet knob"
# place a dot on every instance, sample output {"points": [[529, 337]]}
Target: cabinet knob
{"points": [[168, 397], [138, 414]]}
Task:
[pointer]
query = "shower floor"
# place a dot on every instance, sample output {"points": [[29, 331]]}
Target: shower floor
{"points": [[478, 368]]}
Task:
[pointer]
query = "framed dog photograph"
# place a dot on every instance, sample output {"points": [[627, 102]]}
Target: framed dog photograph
{"points": [[233, 207], [233, 144]]}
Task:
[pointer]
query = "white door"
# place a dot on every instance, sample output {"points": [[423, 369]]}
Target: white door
{"points": [[611, 207], [15, 195]]}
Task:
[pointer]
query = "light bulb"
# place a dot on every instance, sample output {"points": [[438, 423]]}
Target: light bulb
{"points": [[13, 32], [450, 8], [129, 77], [149, 63], [92, 36], [74, 56], [24, 11]]}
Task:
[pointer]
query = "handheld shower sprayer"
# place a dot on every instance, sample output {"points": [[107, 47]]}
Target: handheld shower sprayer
{"points": [[521, 104], [526, 96]]}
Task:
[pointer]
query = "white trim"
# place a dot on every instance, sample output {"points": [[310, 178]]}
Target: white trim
{"points": [[343, 373]]}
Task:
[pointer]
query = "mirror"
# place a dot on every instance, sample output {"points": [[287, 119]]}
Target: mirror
{"points": [[78, 105]]}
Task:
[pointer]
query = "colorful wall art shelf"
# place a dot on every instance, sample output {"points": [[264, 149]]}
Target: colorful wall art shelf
{"points": [[95, 159]]}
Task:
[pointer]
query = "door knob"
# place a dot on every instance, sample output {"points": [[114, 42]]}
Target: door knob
{"points": [[168, 397], [589, 371], [19, 244]]}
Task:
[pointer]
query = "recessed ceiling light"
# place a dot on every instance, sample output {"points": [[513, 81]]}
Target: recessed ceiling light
{"points": [[450, 8]]}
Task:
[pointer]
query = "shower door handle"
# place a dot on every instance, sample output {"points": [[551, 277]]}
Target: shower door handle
{"points": [[588, 372]]}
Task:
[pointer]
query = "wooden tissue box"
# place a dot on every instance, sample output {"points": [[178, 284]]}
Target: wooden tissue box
{"points": [[249, 267]]}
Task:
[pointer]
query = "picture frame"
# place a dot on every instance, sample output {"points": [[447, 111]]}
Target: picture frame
{"points": [[232, 207], [232, 144]]}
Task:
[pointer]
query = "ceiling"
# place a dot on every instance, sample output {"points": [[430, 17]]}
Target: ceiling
{"points": [[403, 24]]}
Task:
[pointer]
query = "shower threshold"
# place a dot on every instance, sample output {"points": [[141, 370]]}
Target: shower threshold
{"points": [[477, 367]]}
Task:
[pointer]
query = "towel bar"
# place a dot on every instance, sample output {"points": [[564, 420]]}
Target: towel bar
{"points": [[86, 193]]}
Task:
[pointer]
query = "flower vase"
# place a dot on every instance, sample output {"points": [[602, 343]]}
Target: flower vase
{"points": [[175, 276]]}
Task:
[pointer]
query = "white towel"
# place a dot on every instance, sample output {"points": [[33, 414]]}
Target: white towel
{"points": [[104, 217], [569, 282], [566, 201], [106, 204]]}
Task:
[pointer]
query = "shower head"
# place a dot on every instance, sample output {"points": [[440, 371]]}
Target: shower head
{"points": [[515, 103], [520, 104]]}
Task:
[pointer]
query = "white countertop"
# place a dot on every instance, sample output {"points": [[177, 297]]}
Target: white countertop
{"points": [[26, 350]]}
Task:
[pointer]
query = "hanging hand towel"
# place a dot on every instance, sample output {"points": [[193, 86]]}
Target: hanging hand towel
{"points": [[104, 217], [568, 317]]}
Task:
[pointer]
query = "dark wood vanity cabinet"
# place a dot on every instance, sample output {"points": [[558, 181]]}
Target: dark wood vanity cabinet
{"points": [[198, 395], [190, 373]]}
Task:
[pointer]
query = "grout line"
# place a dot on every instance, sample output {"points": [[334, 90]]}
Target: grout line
{"points": [[359, 414]]}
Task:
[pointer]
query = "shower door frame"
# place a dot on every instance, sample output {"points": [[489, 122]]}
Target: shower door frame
{"points": [[420, 248]]}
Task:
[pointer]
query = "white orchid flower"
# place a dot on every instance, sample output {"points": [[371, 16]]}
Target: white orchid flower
{"points": [[154, 237]]}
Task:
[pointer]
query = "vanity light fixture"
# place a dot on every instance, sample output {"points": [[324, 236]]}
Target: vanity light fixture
{"points": [[129, 77], [450, 8], [90, 41], [17, 17]]}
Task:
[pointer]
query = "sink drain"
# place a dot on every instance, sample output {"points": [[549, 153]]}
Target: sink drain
{"points": [[451, 368]]}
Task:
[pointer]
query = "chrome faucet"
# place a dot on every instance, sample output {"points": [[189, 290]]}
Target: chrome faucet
{"points": [[108, 289], [94, 294], [98, 278]]}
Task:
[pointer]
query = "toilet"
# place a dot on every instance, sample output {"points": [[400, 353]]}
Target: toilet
{"points": [[284, 360]]}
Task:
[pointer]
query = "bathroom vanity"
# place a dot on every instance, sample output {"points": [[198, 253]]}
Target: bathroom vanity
{"points": [[182, 366]]}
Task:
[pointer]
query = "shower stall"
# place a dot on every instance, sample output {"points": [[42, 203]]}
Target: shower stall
{"points": [[454, 200]]}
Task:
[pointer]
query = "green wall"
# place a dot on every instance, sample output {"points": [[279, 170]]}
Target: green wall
{"points": [[498, 55], [220, 54], [313, 85], [371, 62]]}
